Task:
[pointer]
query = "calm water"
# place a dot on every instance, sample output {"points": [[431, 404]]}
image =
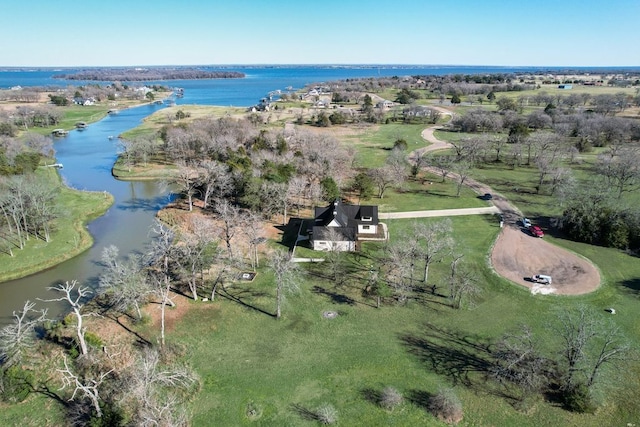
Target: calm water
{"points": [[261, 80], [88, 156]]}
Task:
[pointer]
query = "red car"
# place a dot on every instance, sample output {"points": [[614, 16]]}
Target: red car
{"points": [[536, 231]]}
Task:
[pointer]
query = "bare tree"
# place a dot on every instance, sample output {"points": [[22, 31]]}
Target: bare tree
{"points": [[275, 197], [76, 298], [335, 258], [498, 143], [612, 349], [463, 286], [442, 164], [621, 167], [397, 162], [588, 344], [383, 178], [254, 233], [159, 391], [124, 282], [230, 222], [286, 275], [517, 360], [576, 331], [17, 338], [397, 268], [434, 242], [194, 251], [86, 387], [160, 258], [215, 180], [462, 169], [187, 180]]}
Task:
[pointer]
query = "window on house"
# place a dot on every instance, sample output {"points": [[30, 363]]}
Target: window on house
{"points": [[366, 227], [366, 218]]}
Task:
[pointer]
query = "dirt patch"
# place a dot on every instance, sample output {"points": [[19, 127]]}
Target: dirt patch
{"points": [[518, 256]]}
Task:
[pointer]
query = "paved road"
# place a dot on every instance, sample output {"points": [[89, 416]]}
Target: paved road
{"points": [[440, 212], [511, 214]]}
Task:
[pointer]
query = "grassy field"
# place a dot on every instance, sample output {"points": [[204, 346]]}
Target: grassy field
{"points": [[375, 143], [166, 116], [285, 369], [256, 370]]}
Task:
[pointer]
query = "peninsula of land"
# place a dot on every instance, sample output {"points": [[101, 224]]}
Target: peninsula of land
{"points": [[147, 74]]}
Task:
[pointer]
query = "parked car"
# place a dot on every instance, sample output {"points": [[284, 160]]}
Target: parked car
{"points": [[536, 231], [487, 196], [526, 223]]}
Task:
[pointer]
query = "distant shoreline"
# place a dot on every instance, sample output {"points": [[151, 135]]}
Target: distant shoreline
{"points": [[147, 74]]}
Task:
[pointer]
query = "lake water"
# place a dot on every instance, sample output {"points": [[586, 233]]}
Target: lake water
{"points": [[260, 80], [88, 156]]}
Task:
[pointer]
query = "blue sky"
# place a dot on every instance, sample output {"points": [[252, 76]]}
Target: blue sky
{"points": [[462, 32]]}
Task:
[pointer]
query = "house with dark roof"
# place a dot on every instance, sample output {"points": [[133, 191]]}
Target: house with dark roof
{"points": [[339, 226]]}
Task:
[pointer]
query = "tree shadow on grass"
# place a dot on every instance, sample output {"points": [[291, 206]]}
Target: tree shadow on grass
{"points": [[420, 398], [238, 298], [304, 413], [451, 353], [372, 395], [334, 296], [632, 285]]}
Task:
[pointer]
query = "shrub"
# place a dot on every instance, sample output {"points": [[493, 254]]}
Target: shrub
{"points": [[93, 340], [16, 384], [400, 144], [327, 414], [446, 406], [390, 398]]}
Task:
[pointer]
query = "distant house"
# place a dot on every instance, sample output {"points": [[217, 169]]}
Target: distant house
{"points": [[79, 100], [385, 104], [339, 226], [565, 87], [416, 111]]}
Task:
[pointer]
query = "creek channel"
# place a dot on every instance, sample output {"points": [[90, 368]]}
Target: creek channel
{"points": [[88, 156]]}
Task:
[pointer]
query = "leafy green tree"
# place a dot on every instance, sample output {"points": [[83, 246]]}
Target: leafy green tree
{"points": [[367, 104], [407, 96], [338, 118], [323, 120], [518, 132], [8, 129], [363, 185], [455, 99], [491, 96], [59, 100], [26, 162], [330, 189]]}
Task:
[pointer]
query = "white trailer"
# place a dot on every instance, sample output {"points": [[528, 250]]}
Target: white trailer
{"points": [[542, 278]]}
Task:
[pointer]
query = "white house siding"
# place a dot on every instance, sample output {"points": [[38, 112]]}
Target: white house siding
{"points": [[325, 245], [371, 230]]}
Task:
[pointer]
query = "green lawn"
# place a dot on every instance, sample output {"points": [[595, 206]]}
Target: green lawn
{"points": [[375, 144], [283, 368]]}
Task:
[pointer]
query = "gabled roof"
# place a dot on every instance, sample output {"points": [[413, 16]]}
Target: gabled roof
{"points": [[345, 215], [329, 233]]}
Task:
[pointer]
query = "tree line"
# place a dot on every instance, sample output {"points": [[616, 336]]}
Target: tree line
{"points": [[146, 74]]}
